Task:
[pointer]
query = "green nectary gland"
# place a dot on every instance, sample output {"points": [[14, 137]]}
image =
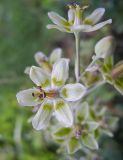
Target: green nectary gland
{"points": [[46, 65], [88, 21], [59, 105], [46, 83], [47, 106], [64, 92], [57, 82]]}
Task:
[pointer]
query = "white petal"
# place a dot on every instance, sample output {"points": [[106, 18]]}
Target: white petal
{"points": [[60, 73], [95, 16], [71, 14], [90, 142], [103, 52], [82, 111], [40, 57], [92, 126], [98, 26], [73, 92], [60, 28], [82, 27], [63, 113], [39, 77], [57, 19], [55, 55], [42, 117], [107, 132], [25, 97], [27, 70]]}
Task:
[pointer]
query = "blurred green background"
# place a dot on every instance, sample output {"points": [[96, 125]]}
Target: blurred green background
{"points": [[22, 33]]}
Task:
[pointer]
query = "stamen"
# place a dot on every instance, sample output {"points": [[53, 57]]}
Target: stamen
{"points": [[78, 131], [72, 5], [40, 88], [40, 95], [78, 134], [44, 95]]}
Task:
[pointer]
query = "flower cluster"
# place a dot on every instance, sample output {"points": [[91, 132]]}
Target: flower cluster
{"points": [[90, 123], [81, 122], [51, 94]]}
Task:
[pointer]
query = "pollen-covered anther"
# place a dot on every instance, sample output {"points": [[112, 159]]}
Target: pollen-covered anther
{"points": [[72, 5], [40, 88], [40, 95]]}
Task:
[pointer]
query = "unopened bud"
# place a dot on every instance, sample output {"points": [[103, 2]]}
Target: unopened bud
{"points": [[105, 47]]}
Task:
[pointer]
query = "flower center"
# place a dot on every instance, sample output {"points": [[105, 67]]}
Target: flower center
{"points": [[78, 131], [41, 94]]}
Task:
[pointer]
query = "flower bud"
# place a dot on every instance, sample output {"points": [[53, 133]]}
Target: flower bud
{"points": [[105, 47]]}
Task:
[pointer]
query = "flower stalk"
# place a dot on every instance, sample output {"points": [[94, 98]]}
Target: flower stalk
{"points": [[77, 60], [90, 90]]}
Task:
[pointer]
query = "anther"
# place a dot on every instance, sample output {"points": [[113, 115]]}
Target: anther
{"points": [[39, 87], [78, 134], [41, 97], [72, 5], [78, 131]]}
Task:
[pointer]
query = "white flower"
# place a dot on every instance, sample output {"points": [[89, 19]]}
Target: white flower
{"points": [[83, 131], [75, 23], [105, 47], [87, 126], [46, 62], [51, 94]]}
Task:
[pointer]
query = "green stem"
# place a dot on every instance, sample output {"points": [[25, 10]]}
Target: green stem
{"points": [[91, 64], [77, 60], [95, 87]]}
